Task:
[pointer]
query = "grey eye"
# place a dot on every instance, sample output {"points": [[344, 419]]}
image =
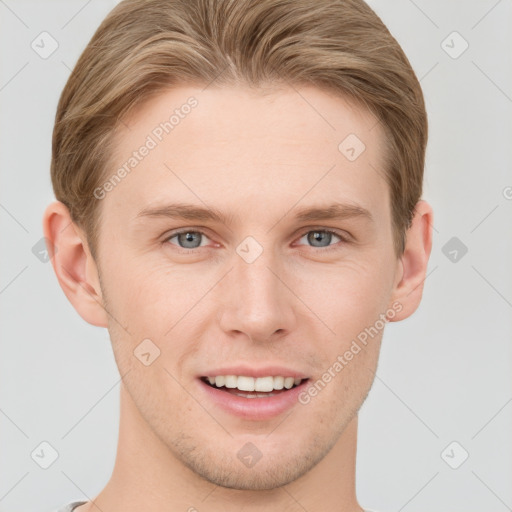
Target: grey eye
{"points": [[188, 239], [320, 237]]}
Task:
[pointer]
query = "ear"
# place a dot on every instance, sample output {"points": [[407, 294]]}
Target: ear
{"points": [[73, 264], [412, 267]]}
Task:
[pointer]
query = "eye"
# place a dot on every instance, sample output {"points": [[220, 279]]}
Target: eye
{"points": [[192, 239], [322, 237], [187, 239]]}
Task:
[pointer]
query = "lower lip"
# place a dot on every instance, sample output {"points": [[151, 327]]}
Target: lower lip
{"points": [[253, 408]]}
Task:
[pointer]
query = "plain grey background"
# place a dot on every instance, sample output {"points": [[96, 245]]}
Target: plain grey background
{"points": [[443, 388]]}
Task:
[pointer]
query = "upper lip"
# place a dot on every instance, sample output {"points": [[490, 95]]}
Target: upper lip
{"points": [[252, 371]]}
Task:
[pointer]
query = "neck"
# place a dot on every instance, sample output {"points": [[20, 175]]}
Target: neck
{"points": [[147, 476]]}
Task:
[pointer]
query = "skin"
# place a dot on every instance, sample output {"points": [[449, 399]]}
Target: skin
{"points": [[300, 304]]}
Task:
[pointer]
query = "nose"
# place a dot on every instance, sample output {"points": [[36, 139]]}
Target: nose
{"points": [[256, 300]]}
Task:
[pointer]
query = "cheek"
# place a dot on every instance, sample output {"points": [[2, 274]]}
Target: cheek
{"points": [[151, 298], [348, 297], [350, 303], [161, 304]]}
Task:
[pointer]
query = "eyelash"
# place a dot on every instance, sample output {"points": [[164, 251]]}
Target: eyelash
{"points": [[343, 239]]}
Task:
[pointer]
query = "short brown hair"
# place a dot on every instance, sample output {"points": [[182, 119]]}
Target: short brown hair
{"points": [[144, 47]]}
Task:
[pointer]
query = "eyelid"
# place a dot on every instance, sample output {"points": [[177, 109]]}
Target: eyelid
{"points": [[342, 234]]}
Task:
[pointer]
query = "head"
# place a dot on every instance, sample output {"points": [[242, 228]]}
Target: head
{"points": [[239, 185]]}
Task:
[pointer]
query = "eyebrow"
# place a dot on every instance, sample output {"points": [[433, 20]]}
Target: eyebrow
{"points": [[335, 211]]}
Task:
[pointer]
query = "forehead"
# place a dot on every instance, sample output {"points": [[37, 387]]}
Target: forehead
{"points": [[250, 147]]}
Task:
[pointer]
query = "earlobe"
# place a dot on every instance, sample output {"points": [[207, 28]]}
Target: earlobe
{"points": [[409, 289], [73, 264]]}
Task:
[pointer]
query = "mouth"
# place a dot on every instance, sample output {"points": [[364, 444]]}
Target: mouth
{"points": [[253, 387], [252, 398]]}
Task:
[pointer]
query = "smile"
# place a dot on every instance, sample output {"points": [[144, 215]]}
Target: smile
{"points": [[256, 387], [233, 393]]}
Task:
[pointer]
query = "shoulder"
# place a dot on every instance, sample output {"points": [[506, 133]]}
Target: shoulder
{"points": [[70, 506]]}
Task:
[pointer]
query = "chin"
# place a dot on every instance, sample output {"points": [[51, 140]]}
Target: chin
{"points": [[274, 465]]}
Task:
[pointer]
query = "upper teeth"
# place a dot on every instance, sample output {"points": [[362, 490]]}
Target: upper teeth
{"points": [[244, 383]]}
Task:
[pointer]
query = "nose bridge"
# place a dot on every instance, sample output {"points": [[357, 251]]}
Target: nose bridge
{"points": [[256, 301], [257, 282]]}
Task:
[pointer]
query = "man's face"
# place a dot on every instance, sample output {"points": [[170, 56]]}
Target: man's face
{"points": [[261, 293]]}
